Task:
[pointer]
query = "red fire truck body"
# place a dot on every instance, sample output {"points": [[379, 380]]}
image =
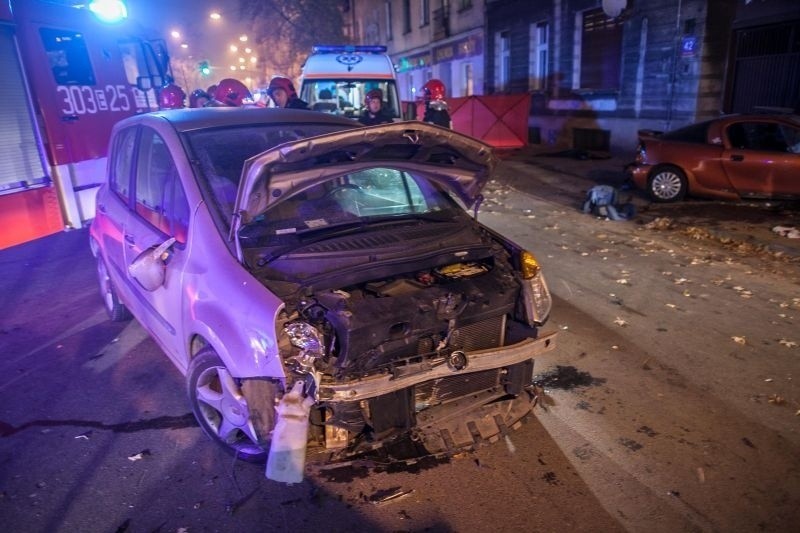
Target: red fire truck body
{"points": [[70, 77]]}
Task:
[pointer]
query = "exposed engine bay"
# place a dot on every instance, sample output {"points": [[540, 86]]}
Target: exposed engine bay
{"points": [[413, 354]]}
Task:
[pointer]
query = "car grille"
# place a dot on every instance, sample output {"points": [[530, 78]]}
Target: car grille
{"points": [[443, 390], [478, 336]]}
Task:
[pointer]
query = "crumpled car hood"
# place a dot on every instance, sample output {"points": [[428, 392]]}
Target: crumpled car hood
{"points": [[458, 162]]}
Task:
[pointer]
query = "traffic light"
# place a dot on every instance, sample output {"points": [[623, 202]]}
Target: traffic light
{"points": [[204, 68]]}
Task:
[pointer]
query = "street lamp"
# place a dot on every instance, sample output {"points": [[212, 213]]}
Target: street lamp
{"points": [[214, 15]]}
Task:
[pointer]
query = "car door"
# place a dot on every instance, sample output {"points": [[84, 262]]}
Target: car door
{"points": [[113, 208], [161, 211], [758, 160]]}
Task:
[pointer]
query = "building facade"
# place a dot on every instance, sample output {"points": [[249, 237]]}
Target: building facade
{"points": [[597, 71], [427, 39]]}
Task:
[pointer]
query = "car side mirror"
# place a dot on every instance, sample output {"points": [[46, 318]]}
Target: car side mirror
{"points": [[149, 269]]}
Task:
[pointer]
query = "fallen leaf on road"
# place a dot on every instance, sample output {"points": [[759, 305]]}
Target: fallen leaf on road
{"points": [[139, 456], [774, 399], [680, 281], [622, 281], [788, 344], [620, 322], [739, 340], [701, 475], [671, 306]]}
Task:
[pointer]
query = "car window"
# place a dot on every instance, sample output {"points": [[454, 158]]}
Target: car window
{"points": [[764, 136], [792, 137], [119, 179], [160, 198], [221, 154], [695, 133]]}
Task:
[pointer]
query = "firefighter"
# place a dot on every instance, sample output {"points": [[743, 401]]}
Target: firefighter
{"points": [[282, 92], [374, 113], [199, 98], [435, 105], [230, 93], [171, 97]]}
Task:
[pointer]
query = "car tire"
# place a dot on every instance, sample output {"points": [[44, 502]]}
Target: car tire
{"points": [[223, 412], [116, 310], [667, 184]]}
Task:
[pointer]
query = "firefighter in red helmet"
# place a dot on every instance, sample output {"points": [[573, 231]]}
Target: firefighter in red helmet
{"points": [[435, 106], [231, 93], [171, 97], [282, 92], [374, 114]]}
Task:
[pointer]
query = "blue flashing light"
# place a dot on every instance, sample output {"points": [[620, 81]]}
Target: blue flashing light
{"points": [[348, 48], [109, 10]]}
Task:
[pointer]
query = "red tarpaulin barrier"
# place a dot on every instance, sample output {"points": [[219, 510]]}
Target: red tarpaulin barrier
{"points": [[500, 121]]}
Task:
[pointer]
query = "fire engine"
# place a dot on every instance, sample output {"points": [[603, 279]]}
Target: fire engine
{"points": [[68, 77]]}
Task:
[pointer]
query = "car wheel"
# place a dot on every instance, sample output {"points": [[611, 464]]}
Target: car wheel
{"points": [[667, 184], [116, 310], [223, 412]]}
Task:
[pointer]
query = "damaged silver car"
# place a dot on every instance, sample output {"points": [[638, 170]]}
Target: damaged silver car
{"points": [[270, 251]]}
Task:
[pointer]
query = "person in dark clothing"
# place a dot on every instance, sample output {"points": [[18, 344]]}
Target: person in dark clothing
{"points": [[435, 106], [374, 113], [282, 92]]}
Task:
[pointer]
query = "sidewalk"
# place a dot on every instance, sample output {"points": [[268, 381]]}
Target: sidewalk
{"points": [[746, 227]]}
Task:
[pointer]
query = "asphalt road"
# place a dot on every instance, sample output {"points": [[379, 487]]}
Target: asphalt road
{"points": [[671, 403]]}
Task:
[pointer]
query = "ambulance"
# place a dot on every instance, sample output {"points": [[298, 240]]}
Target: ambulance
{"points": [[336, 79]]}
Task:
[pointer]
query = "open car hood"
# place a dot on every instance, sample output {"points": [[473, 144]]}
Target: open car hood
{"points": [[458, 162]]}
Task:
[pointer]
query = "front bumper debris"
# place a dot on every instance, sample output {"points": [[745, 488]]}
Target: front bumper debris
{"points": [[476, 361]]}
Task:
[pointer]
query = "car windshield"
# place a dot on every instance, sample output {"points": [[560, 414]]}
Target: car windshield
{"points": [[220, 154], [346, 97], [377, 195]]}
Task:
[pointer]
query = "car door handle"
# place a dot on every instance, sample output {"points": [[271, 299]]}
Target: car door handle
{"points": [[101, 208], [129, 239], [737, 158]]}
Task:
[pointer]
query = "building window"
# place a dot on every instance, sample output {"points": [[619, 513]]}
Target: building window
{"points": [[388, 21], [467, 80], [406, 16], [425, 12], [502, 60], [539, 69], [600, 51]]}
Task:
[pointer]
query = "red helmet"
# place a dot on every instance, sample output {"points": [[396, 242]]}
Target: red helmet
{"points": [[433, 90], [171, 97], [231, 92], [279, 82], [375, 93], [196, 96]]}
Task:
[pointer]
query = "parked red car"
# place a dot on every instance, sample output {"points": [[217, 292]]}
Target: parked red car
{"points": [[731, 158]]}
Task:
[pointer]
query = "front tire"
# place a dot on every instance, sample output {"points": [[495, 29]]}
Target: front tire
{"points": [[667, 184], [223, 412]]}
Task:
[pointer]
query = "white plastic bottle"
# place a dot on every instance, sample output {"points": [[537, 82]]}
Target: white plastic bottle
{"points": [[287, 451]]}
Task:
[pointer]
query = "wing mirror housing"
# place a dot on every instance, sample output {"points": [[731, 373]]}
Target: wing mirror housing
{"points": [[149, 269]]}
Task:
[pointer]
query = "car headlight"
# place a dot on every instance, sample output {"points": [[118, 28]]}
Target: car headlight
{"points": [[529, 266], [537, 301]]}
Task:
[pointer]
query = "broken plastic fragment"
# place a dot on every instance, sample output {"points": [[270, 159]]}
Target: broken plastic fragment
{"points": [[620, 322], [788, 344], [739, 340], [139, 456], [389, 495]]}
